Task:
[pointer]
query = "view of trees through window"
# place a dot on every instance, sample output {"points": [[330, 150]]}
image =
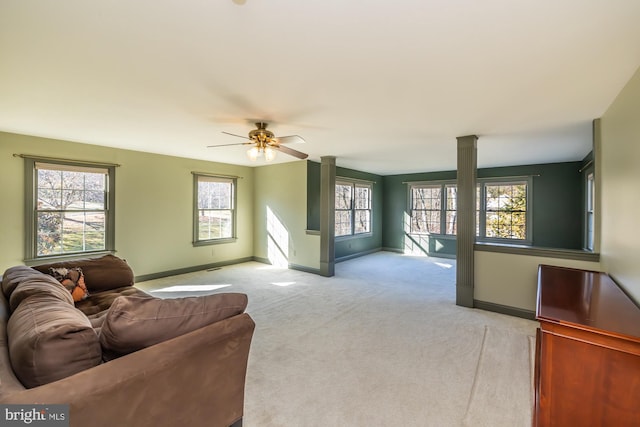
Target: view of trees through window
{"points": [[70, 210], [215, 208], [506, 211], [352, 208], [501, 209]]}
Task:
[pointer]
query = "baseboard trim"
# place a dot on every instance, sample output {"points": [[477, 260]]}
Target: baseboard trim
{"points": [[145, 277], [297, 267], [396, 250], [357, 255], [504, 309], [305, 269]]}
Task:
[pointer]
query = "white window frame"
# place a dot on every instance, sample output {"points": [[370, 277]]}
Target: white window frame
{"points": [[197, 209], [590, 212], [353, 210], [33, 208], [443, 186], [481, 212]]}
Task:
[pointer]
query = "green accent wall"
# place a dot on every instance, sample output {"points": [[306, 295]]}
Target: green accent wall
{"points": [[313, 196], [557, 202], [346, 247], [557, 197], [396, 209], [353, 245]]}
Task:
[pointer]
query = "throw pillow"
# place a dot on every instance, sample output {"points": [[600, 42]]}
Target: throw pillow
{"points": [[73, 280], [133, 322]]}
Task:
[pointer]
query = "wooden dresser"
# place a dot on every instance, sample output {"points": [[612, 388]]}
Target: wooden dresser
{"points": [[587, 370]]}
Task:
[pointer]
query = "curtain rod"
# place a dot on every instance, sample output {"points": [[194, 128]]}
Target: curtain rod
{"points": [[216, 175], [344, 178], [589, 163], [58, 159], [453, 181]]}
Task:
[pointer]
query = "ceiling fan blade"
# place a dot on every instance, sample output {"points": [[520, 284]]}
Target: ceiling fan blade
{"points": [[233, 134], [290, 151], [289, 139], [227, 145]]}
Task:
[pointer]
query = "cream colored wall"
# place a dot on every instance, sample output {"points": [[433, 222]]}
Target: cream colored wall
{"points": [[154, 204], [282, 188], [511, 280], [620, 195]]}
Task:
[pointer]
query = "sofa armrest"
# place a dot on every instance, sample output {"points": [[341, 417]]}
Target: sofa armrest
{"points": [[196, 379]]}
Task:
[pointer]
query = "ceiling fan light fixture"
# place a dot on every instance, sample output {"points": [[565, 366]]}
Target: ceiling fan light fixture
{"points": [[269, 154], [253, 153]]}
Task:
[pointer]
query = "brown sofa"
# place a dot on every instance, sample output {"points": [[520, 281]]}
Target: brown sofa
{"points": [[135, 361]]}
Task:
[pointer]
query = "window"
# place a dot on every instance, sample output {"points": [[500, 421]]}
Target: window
{"points": [[352, 208], [503, 208], [71, 208], [214, 209], [433, 208], [590, 211]]}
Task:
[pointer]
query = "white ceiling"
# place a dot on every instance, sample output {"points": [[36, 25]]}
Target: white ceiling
{"points": [[385, 86]]}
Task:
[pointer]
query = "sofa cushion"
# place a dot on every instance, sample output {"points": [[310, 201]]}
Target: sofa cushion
{"points": [[13, 276], [50, 339], [100, 274], [133, 323], [36, 284], [101, 301]]}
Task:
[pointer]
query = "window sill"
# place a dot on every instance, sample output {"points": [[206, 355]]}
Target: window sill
{"points": [[573, 254], [354, 236], [214, 241], [69, 257]]}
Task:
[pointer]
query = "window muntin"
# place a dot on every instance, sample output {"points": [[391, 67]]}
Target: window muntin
{"points": [[352, 208], [215, 209], [72, 208]]}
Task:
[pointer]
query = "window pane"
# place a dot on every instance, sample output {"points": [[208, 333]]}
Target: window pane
{"points": [[426, 222], [506, 206], [83, 231], [215, 195], [343, 223], [215, 224], [343, 196], [50, 179], [452, 214], [363, 221], [451, 223], [426, 197], [49, 233], [363, 197], [70, 210]]}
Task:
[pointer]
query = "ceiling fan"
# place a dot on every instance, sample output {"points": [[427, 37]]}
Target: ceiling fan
{"points": [[266, 143]]}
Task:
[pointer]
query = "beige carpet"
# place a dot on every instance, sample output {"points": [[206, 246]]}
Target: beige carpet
{"points": [[380, 344]]}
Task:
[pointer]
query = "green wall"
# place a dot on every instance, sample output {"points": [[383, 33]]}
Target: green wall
{"points": [[346, 247], [557, 202], [396, 197], [557, 197], [154, 204], [313, 199]]}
